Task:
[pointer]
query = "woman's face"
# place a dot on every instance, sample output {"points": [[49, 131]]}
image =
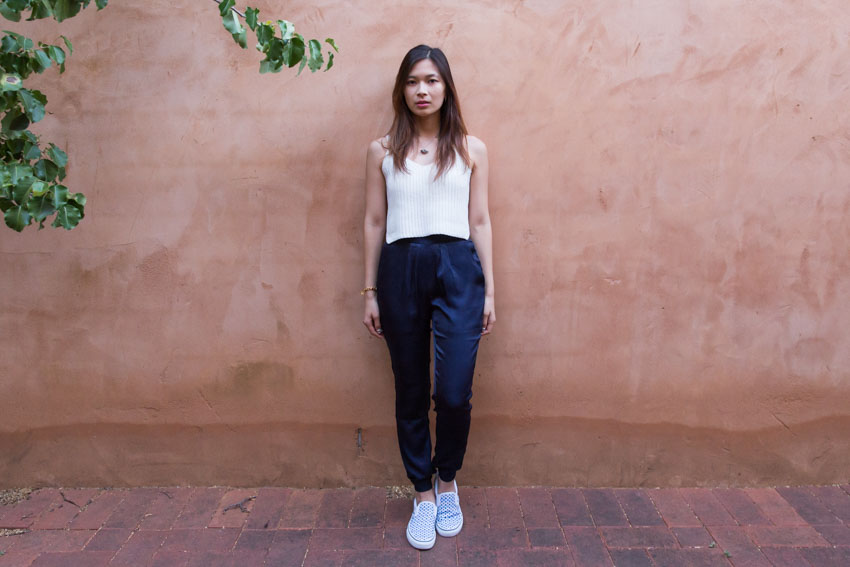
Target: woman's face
{"points": [[424, 90]]}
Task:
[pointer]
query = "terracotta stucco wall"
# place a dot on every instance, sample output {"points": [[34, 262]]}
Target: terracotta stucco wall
{"points": [[671, 207]]}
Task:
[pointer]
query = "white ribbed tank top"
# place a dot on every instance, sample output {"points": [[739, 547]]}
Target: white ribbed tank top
{"points": [[419, 205]]}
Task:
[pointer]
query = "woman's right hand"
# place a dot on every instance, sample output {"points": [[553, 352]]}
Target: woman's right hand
{"points": [[371, 318]]}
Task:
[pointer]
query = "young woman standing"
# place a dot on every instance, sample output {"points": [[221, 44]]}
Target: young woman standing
{"points": [[428, 250]]}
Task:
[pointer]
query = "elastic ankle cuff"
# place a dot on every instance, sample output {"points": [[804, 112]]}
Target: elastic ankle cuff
{"points": [[423, 485], [447, 476]]}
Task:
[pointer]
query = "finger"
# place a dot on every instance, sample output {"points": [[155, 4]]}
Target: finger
{"points": [[488, 324], [370, 326], [375, 326]]}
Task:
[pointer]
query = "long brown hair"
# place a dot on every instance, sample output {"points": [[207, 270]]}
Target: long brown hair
{"points": [[451, 137]]}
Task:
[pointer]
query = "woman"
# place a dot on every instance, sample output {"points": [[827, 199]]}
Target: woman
{"points": [[428, 250]]}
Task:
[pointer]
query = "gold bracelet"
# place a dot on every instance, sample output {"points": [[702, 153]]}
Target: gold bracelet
{"points": [[370, 288]]}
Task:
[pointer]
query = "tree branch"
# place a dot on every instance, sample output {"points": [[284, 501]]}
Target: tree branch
{"points": [[238, 13]]}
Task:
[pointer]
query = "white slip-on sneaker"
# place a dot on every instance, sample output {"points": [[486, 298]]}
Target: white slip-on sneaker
{"points": [[420, 528], [449, 516]]}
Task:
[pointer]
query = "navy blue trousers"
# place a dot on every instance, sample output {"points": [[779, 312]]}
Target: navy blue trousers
{"points": [[434, 283]]}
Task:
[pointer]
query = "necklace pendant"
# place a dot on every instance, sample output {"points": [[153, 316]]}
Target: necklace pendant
{"points": [[423, 151]]}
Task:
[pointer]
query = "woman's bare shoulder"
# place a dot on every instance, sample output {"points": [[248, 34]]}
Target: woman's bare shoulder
{"points": [[377, 149], [476, 148]]}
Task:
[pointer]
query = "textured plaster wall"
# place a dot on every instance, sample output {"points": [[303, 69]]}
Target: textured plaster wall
{"points": [[671, 208]]}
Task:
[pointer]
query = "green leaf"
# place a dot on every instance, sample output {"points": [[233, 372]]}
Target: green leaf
{"points": [[10, 82], [6, 123], [39, 96], [231, 24], [21, 192], [251, 17], [60, 195], [67, 216], [301, 67], [330, 60], [9, 14], [46, 170], [269, 66], [31, 152], [8, 44], [19, 123], [287, 29], [17, 172], [274, 52], [265, 33], [316, 58], [56, 54], [71, 8], [101, 4], [48, 9], [330, 41], [62, 10], [38, 188], [15, 146], [293, 51], [40, 61], [78, 198], [55, 153], [39, 10], [19, 5], [79, 207], [68, 44], [6, 204], [225, 6], [41, 207], [17, 218], [34, 108], [24, 43]]}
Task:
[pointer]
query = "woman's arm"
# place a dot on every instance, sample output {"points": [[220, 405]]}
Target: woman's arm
{"points": [[479, 226], [374, 230]]}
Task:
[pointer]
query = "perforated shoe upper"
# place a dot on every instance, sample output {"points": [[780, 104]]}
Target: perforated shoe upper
{"points": [[449, 515], [421, 527]]}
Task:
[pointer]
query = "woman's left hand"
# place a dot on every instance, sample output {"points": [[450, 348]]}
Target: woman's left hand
{"points": [[489, 318]]}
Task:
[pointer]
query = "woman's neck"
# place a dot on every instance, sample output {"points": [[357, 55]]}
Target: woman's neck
{"points": [[428, 127]]}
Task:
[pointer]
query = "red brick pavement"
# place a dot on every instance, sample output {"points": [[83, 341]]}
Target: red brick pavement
{"points": [[215, 526]]}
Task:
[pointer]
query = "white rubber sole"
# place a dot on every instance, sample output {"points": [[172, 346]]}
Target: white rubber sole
{"points": [[423, 545], [450, 533]]}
